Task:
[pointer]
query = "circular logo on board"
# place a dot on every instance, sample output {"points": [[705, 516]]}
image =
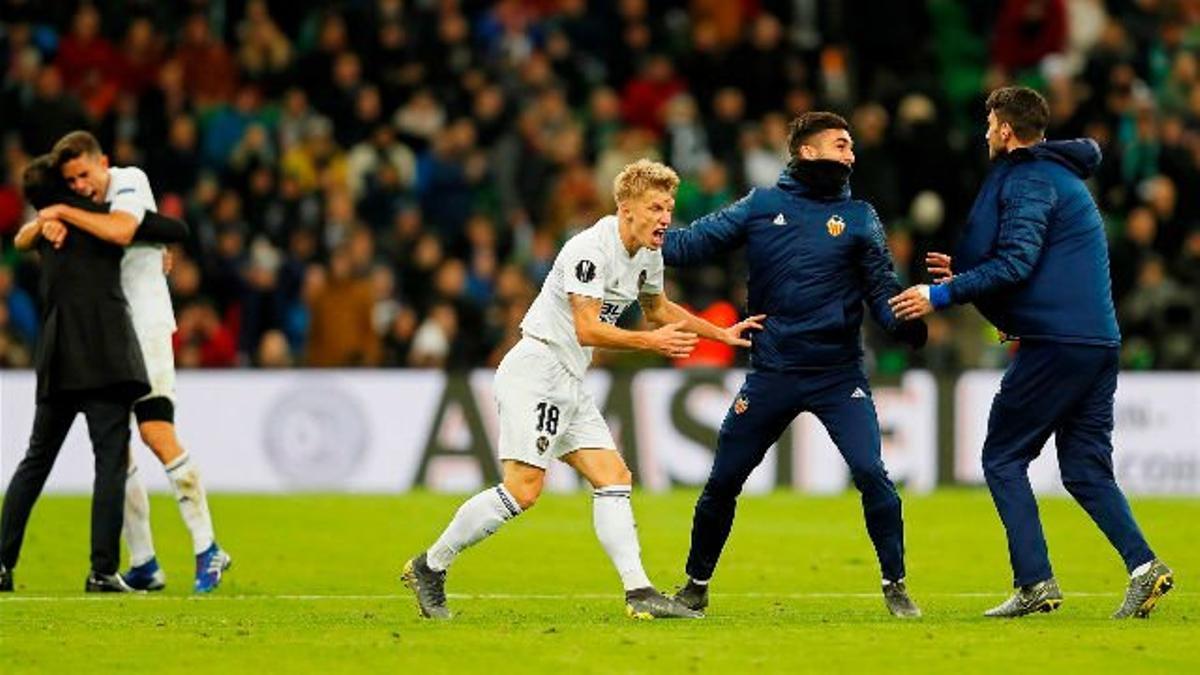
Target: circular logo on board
{"points": [[315, 436], [585, 271]]}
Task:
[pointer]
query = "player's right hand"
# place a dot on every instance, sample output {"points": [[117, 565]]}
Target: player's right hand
{"points": [[54, 231], [671, 341], [938, 266]]}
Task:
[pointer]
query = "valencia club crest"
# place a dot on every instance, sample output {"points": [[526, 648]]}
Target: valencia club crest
{"points": [[835, 225]]}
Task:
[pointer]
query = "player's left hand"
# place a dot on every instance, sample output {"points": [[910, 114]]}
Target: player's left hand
{"points": [[53, 231], [912, 304], [733, 334]]}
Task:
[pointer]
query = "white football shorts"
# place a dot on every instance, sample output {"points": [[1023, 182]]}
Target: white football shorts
{"points": [[544, 410]]}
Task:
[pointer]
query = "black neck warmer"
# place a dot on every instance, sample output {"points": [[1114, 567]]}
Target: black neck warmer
{"points": [[826, 178]]}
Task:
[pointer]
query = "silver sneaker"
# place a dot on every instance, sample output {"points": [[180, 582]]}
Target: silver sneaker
{"points": [[1044, 596], [1144, 591], [429, 587], [648, 603]]}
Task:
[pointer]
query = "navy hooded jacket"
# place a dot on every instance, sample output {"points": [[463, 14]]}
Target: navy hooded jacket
{"points": [[1034, 256], [812, 262]]}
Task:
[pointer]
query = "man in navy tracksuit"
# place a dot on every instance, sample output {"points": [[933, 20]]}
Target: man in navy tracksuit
{"points": [[1034, 260], [815, 255]]}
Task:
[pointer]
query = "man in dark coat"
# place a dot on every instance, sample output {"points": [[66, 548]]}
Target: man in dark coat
{"points": [[1034, 261], [87, 361]]}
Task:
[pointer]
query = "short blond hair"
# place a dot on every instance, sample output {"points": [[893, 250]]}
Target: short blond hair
{"points": [[636, 178]]}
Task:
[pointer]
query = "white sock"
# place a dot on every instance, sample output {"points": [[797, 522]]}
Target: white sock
{"points": [[613, 519], [193, 502], [136, 527], [1141, 569], [478, 518]]}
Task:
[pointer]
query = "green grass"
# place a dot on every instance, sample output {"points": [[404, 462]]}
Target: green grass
{"points": [[313, 588]]}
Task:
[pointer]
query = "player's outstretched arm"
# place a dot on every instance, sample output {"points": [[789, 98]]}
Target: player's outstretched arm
{"points": [[118, 227], [670, 340], [660, 310], [710, 236]]}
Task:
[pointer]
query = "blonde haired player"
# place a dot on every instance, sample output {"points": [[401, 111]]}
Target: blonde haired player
{"points": [[544, 411]]}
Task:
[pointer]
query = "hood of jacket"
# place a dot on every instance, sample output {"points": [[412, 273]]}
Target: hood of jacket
{"points": [[1081, 155]]}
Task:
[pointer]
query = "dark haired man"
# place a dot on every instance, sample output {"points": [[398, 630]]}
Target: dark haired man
{"points": [[1034, 260], [88, 361], [815, 255], [85, 169]]}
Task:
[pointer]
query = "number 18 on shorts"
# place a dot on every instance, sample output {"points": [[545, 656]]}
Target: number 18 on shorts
{"points": [[544, 410]]}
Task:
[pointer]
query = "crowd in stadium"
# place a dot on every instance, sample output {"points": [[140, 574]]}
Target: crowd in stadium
{"points": [[387, 182]]}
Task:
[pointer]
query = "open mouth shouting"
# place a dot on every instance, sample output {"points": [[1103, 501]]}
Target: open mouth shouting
{"points": [[657, 236]]}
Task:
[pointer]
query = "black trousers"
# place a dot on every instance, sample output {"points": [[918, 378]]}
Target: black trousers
{"points": [[108, 425]]}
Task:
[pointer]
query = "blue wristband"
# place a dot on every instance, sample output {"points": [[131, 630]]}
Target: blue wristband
{"points": [[939, 296]]}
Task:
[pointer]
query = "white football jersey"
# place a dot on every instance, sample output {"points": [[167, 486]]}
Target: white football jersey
{"points": [[142, 276], [593, 263]]}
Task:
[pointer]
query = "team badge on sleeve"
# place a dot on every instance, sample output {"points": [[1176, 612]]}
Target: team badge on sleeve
{"points": [[543, 444], [740, 404], [641, 279], [585, 271], [835, 225]]}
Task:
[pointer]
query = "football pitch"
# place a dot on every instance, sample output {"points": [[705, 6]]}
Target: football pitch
{"points": [[314, 588]]}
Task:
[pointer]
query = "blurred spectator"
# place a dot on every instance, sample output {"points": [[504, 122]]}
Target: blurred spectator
{"points": [[708, 192], [644, 100], [20, 313], [210, 72], [88, 62], [1027, 31], [50, 113], [265, 53], [686, 141], [341, 333], [202, 341], [1128, 253], [13, 351], [431, 343], [875, 177], [443, 151], [274, 351], [367, 158], [142, 52]]}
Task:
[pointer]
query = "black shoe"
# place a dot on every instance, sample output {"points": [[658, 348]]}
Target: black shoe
{"points": [[1044, 596], [895, 595], [648, 603], [6, 580], [693, 596], [1144, 591], [429, 587], [106, 583]]}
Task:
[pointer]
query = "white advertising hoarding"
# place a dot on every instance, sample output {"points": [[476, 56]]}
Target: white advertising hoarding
{"points": [[1156, 437], [388, 431]]}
